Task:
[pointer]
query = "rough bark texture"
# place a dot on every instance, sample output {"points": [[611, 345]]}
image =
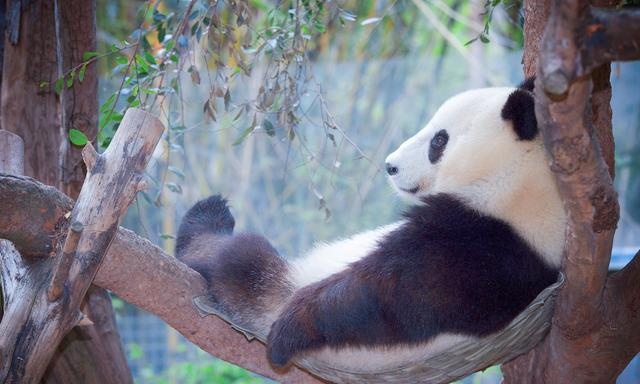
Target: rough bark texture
{"points": [[79, 104], [32, 329], [36, 56], [142, 274], [611, 34], [69, 362], [594, 332], [11, 161], [91, 353], [12, 153], [536, 14], [29, 105]]}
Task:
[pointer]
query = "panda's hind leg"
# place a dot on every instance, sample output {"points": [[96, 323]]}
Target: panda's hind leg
{"points": [[247, 278]]}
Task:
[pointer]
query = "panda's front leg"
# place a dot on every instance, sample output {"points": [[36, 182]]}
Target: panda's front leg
{"points": [[343, 309]]}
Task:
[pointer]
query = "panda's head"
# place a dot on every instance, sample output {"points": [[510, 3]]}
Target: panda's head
{"points": [[483, 146], [473, 139]]}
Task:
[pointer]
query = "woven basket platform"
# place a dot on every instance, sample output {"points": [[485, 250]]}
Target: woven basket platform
{"points": [[458, 361]]}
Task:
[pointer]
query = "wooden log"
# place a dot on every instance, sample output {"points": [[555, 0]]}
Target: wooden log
{"points": [[29, 338]]}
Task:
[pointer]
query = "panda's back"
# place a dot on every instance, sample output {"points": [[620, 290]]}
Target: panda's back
{"points": [[451, 269]]}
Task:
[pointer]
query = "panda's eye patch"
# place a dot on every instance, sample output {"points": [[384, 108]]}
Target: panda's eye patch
{"points": [[438, 142]]}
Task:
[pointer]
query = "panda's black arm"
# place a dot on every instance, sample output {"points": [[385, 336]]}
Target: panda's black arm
{"points": [[344, 309]]}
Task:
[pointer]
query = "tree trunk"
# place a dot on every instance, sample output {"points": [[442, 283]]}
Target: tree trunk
{"points": [[38, 51], [594, 329], [46, 295]]}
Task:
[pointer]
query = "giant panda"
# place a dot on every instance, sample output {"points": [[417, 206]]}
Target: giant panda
{"points": [[482, 237]]}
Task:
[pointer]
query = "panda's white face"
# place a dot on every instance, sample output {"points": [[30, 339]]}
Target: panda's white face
{"points": [[469, 150], [465, 142]]}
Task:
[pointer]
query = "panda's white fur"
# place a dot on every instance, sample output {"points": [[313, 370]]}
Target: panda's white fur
{"points": [[485, 165]]}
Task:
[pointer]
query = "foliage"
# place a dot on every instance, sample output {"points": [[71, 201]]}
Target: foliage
{"points": [[204, 371], [512, 7]]}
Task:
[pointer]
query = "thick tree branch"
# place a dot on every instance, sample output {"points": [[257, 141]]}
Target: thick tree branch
{"points": [[581, 174], [43, 213], [581, 38], [611, 35], [594, 332], [166, 287], [623, 288], [143, 275]]}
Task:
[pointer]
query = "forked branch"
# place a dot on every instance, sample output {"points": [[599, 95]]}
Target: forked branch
{"points": [[581, 38], [143, 275], [31, 331]]}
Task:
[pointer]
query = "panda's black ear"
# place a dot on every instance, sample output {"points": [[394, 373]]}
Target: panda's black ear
{"points": [[520, 110], [527, 84]]}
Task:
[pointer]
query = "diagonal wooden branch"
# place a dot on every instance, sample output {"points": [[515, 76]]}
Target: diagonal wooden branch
{"points": [[145, 276], [611, 35], [28, 339]]}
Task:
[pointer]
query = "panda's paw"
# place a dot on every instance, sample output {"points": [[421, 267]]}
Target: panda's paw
{"points": [[289, 336]]}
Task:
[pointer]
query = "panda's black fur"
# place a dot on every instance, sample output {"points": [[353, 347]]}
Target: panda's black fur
{"points": [[447, 269]]}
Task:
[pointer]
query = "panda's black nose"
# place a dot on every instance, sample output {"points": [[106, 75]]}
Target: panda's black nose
{"points": [[391, 170]]}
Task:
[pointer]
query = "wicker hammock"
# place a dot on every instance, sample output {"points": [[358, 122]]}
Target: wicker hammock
{"points": [[458, 361]]}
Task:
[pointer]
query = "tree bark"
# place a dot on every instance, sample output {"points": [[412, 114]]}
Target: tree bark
{"points": [[30, 333], [76, 34], [11, 161], [29, 107], [594, 329], [43, 43]]}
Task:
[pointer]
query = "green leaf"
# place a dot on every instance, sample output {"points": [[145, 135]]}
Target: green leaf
{"points": [[77, 137], [162, 33], [57, 86], [89, 55], [121, 59], [135, 351], [244, 134], [227, 100], [268, 126], [149, 57], [83, 69], [106, 106], [72, 76]]}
